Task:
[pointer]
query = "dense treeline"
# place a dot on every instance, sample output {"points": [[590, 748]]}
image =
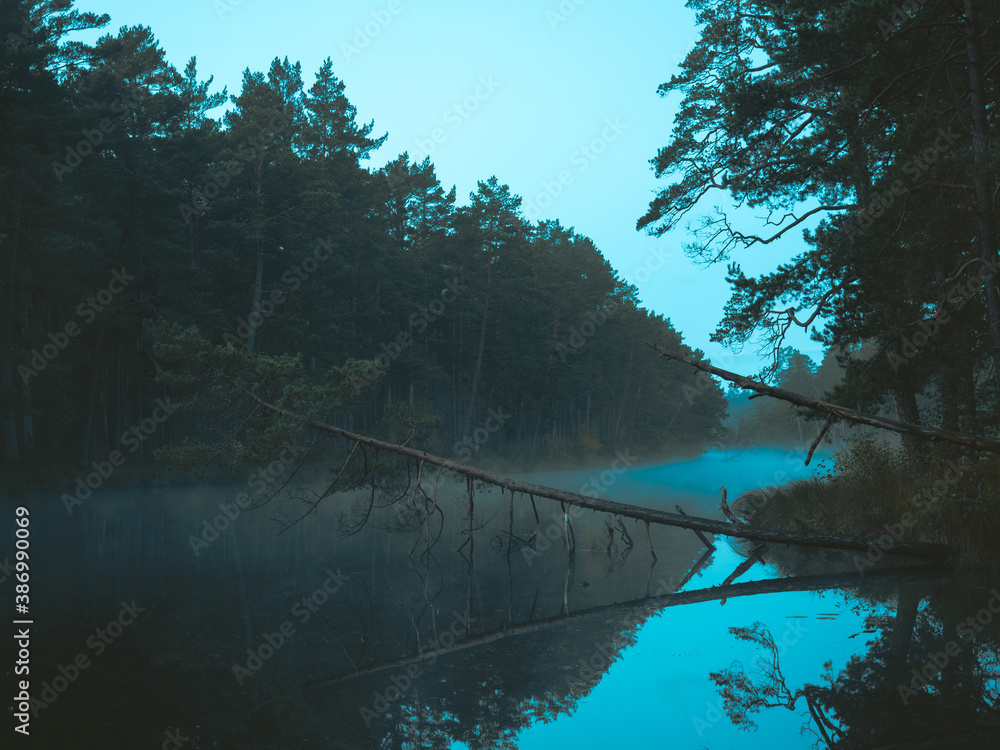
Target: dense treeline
{"points": [[765, 422], [123, 205], [875, 125]]}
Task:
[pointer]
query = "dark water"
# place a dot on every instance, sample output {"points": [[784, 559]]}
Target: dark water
{"points": [[273, 634]]}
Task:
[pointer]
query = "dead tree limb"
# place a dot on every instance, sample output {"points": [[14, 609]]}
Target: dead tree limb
{"points": [[654, 515], [830, 419], [726, 510], [838, 412], [649, 604], [742, 568], [704, 539]]}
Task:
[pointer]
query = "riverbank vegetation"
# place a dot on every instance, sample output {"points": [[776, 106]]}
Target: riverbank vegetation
{"points": [[874, 135], [873, 490]]}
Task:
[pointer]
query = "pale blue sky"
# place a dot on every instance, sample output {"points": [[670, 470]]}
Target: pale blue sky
{"points": [[557, 99]]}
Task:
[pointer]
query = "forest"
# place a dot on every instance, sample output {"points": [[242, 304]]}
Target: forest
{"points": [[131, 218], [870, 129], [499, 429], [125, 209]]}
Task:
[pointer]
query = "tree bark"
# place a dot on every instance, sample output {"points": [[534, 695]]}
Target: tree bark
{"points": [[90, 428], [258, 284], [471, 408]]}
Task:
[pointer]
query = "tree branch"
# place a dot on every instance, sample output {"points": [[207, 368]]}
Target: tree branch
{"points": [[805, 538], [840, 412]]}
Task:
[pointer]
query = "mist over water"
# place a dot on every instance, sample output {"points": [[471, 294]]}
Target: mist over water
{"points": [[694, 481], [238, 615]]}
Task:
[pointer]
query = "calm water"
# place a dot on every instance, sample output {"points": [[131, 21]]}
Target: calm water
{"points": [[405, 634]]}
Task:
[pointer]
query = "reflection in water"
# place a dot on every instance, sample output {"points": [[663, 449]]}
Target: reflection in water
{"points": [[542, 627], [401, 632], [930, 678]]}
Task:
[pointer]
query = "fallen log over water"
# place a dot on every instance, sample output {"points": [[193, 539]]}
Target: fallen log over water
{"points": [[652, 515]]}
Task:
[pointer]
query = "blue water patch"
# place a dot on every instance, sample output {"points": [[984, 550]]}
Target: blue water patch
{"points": [[693, 483], [659, 694]]}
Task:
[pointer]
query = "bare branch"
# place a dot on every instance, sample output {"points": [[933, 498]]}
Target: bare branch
{"points": [[841, 412]]}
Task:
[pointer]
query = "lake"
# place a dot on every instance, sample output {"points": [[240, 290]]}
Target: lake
{"points": [[170, 618]]}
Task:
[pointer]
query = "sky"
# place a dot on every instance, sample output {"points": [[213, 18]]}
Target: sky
{"points": [[557, 98]]}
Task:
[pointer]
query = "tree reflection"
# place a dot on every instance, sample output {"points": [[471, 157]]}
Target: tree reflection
{"points": [[928, 680], [744, 696]]}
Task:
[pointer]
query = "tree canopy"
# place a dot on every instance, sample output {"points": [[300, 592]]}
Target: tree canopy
{"points": [[870, 130], [136, 195]]}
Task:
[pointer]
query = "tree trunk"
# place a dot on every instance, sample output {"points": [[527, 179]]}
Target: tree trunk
{"points": [[638, 607], [90, 427], [840, 412], [984, 189], [621, 407], [907, 605], [193, 241], [8, 425], [804, 538], [470, 409], [258, 284], [907, 411]]}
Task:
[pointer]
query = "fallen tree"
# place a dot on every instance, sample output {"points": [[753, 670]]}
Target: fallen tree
{"points": [[833, 410], [636, 608], [649, 515], [652, 604]]}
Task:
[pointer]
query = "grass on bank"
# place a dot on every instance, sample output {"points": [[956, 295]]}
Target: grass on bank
{"points": [[869, 488]]}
